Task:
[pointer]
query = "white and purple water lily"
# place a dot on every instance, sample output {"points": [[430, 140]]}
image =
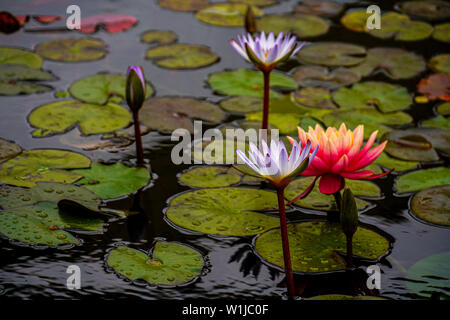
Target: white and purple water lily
{"points": [[265, 52], [274, 163]]}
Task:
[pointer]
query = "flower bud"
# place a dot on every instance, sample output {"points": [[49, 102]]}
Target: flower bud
{"points": [[349, 213], [135, 87]]}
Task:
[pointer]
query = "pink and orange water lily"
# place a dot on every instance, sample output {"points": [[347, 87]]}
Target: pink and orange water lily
{"points": [[341, 155]]}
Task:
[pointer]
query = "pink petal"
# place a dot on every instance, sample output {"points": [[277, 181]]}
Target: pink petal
{"points": [[340, 165], [331, 183]]}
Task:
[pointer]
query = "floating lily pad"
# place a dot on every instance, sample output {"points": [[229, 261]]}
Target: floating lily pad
{"points": [[394, 25], [248, 83], [385, 96], [440, 63], [315, 246], [344, 297], [257, 3], [183, 5], [305, 26], [113, 181], [422, 179], [226, 14], [168, 114], [209, 177], [438, 122], [442, 32], [319, 8], [317, 76], [36, 165], [398, 165], [314, 98], [182, 56], [224, 211], [429, 10], [16, 79], [72, 50], [169, 263], [397, 63], [60, 116], [332, 54], [433, 205], [8, 150], [216, 151], [430, 276], [99, 88], [159, 37], [242, 104], [10, 55], [436, 86], [111, 22], [444, 109], [318, 201]]}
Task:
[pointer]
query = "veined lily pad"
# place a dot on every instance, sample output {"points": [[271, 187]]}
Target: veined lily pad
{"points": [[168, 114], [242, 104], [440, 63], [10, 55], [72, 50], [158, 36], [315, 246], [391, 163], [319, 8], [442, 32], [436, 86], [36, 165], [169, 263], [209, 177], [385, 96], [248, 83], [344, 297], [183, 5], [113, 181], [257, 3], [58, 117], [398, 63], [182, 56], [317, 76], [226, 14], [111, 22], [422, 179], [224, 211], [318, 201], [16, 79], [431, 276], [429, 10], [305, 26], [314, 98], [332, 54], [433, 205], [8, 150], [100, 87]]}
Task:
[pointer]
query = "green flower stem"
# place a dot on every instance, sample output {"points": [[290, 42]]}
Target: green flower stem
{"points": [[265, 120], [285, 243], [138, 139], [338, 199]]}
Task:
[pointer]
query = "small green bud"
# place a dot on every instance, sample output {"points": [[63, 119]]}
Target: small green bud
{"points": [[349, 213], [135, 88]]}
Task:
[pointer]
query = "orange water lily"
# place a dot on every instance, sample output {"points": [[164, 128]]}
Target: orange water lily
{"points": [[341, 156]]}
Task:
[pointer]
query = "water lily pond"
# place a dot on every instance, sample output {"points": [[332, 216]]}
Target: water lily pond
{"points": [[73, 193]]}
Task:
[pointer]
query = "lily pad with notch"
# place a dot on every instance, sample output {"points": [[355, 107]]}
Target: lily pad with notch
{"points": [[318, 76], [226, 14], [72, 50], [159, 37], [112, 23], [442, 32], [182, 56], [303, 25], [332, 54], [8, 150], [440, 63], [433, 205], [11, 55], [422, 179]]}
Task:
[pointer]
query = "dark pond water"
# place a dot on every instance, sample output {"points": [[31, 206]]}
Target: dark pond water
{"points": [[233, 271]]}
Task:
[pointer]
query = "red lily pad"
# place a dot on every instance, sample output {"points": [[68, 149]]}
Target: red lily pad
{"points": [[333, 54], [442, 32], [46, 19], [72, 50], [317, 76], [428, 10], [112, 23], [436, 86], [303, 25], [319, 8], [183, 5]]}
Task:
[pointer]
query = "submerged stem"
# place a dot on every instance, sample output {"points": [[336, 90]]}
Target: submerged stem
{"points": [[265, 120], [138, 139]]}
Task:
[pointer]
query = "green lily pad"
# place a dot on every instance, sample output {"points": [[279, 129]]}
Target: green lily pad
{"points": [[318, 8], [159, 37], [183, 5], [318, 201], [8, 150], [315, 246], [317, 76], [169, 263], [385, 96], [332, 54], [60, 116], [396, 63], [226, 14], [45, 224], [209, 177], [248, 83], [442, 32], [430, 276], [422, 179], [394, 25], [19, 79], [428, 10], [440, 63], [72, 50], [305, 26], [182, 56], [36, 165], [99, 88], [433, 205], [439, 122], [444, 109], [391, 163], [10, 55], [369, 117], [314, 98], [224, 211], [216, 151], [257, 3], [113, 181], [168, 114], [242, 104], [344, 297]]}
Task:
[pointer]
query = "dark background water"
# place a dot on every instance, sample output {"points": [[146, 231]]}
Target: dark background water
{"points": [[233, 269]]}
